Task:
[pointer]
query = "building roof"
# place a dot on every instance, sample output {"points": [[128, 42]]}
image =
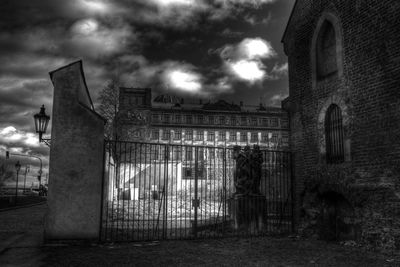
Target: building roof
{"points": [[221, 105], [289, 21], [166, 98]]}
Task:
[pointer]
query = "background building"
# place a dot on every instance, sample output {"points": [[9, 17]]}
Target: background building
{"points": [[168, 119], [344, 63], [197, 135]]}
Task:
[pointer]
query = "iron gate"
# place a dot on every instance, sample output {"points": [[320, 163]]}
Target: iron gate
{"points": [[166, 191]]}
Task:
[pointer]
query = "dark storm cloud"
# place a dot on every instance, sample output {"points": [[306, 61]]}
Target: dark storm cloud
{"points": [[172, 45]]}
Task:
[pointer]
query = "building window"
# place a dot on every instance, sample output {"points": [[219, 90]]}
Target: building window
{"points": [[220, 154], [189, 154], [178, 135], [265, 122], [189, 119], [126, 101], [326, 51], [177, 118], [187, 173], [155, 135], [254, 137], [176, 153], [210, 119], [285, 139], [211, 136], [200, 136], [285, 123], [264, 137], [166, 135], [155, 118], [274, 122], [221, 120], [200, 154], [254, 122], [166, 118], [211, 153], [274, 139], [243, 121], [232, 136], [243, 137], [189, 135], [233, 121], [222, 136], [200, 119], [334, 135]]}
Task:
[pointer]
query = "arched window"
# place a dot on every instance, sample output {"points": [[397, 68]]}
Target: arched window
{"points": [[334, 135], [326, 51]]}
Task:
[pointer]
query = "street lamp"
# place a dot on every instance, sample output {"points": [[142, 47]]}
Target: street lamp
{"points": [[27, 169], [30, 156], [41, 123], [17, 168]]}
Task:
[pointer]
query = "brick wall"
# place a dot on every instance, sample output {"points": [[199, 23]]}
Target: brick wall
{"points": [[367, 89]]}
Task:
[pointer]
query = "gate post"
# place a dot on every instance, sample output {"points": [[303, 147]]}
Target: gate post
{"points": [[76, 159]]}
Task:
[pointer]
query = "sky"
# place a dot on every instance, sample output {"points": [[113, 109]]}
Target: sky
{"points": [[208, 49]]}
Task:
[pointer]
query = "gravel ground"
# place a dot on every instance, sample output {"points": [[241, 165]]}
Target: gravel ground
{"points": [[217, 252]]}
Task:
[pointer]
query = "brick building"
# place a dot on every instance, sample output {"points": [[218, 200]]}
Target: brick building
{"points": [[344, 105]]}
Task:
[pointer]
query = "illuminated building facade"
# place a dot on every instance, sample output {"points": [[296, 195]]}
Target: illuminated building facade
{"points": [[168, 119]]}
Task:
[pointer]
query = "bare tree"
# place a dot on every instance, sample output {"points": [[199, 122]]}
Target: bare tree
{"points": [[5, 174], [109, 106]]}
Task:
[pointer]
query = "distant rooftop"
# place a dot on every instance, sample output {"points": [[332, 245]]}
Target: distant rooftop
{"points": [[166, 101]]}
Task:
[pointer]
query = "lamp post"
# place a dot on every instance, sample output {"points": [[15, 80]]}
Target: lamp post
{"points": [[41, 123], [29, 156], [17, 168], [27, 169]]}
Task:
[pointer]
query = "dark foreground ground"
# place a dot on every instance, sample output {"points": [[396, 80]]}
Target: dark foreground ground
{"points": [[21, 245], [9, 201]]}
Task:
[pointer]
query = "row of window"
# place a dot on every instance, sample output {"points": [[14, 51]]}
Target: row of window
{"points": [[219, 120], [222, 136], [187, 153]]}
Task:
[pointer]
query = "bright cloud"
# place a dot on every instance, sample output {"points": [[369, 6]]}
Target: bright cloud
{"points": [[94, 5], [248, 70], [94, 40], [184, 80], [247, 2], [174, 2], [257, 48], [244, 60], [13, 137], [85, 27], [249, 49]]}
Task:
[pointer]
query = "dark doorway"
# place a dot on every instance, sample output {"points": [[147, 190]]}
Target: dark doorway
{"points": [[336, 222]]}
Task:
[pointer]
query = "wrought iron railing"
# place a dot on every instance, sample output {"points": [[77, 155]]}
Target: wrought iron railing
{"points": [[167, 191]]}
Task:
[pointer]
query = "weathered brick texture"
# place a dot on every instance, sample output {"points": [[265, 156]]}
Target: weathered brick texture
{"points": [[367, 89]]}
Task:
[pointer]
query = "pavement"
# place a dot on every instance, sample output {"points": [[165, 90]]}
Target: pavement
{"points": [[21, 236], [21, 244]]}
